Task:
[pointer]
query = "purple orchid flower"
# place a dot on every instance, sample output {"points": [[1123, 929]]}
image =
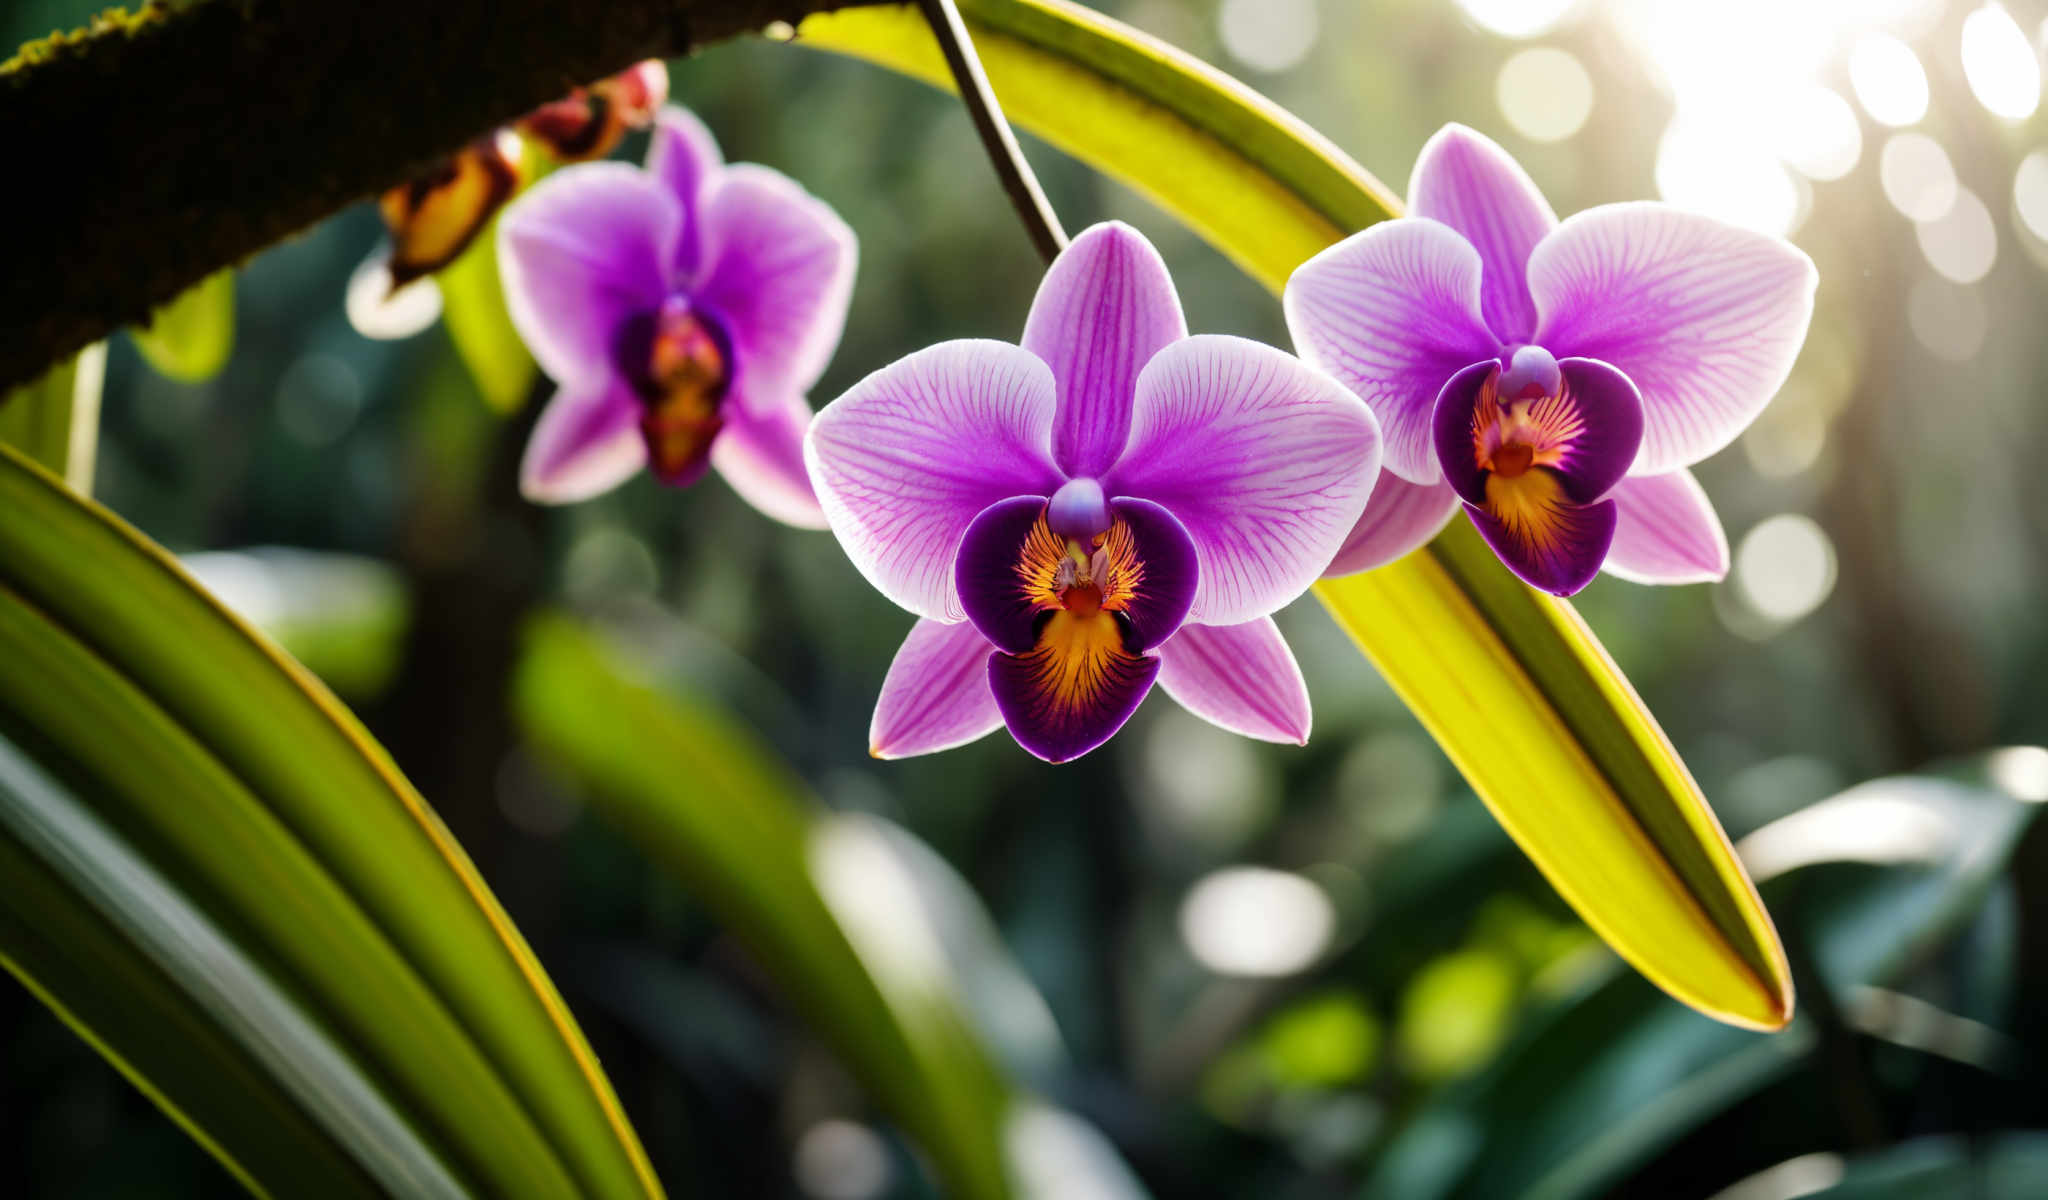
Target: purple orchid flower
{"points": [[684, 311], [1556, 379], [1109, 505]]}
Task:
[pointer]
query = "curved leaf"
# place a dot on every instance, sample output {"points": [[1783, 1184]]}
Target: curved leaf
{"points": [[812, 898], [190, 338], [201, 773], [1511, 683], [55, 421]]}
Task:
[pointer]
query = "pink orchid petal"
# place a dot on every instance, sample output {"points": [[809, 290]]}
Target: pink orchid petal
{"points": [[1704, 317], [684, 157], [1105, 307], [584, 444], [1400, 517], [908, 457], [1666, 532], [1393, 313], [582, 252], [761, 455], [936, 695], [1240, 677], [1266, 462], [1468, 182], [777, 276]]}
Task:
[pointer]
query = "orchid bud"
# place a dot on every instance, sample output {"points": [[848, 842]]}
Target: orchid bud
{"points": [[588, 122], [433, 218]]}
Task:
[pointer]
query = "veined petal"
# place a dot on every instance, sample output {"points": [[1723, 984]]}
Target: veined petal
{"points": [[1393, 313], [1465, 180], [585, 443], [909, 456], [1266, 462], [1704, 317], [1241, 677], [1013, 571], [936, 694], [1105, 307], [761, 455], [1399, 518], [1666, 531], [776, 273], [684, 157], [582, 252], [1073, 689]]}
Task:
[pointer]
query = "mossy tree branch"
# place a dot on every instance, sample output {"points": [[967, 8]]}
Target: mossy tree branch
{"points": [[154, 149]]}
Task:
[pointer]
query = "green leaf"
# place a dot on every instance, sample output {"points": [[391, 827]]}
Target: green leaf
{"points": [[190, 338], [1873, 882], [55, 421], [1511, 683], [206, 822], [827, 905], [2006, 1165]]}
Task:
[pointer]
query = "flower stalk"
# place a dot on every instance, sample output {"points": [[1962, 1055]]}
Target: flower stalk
{"points": [[1019, 184]]}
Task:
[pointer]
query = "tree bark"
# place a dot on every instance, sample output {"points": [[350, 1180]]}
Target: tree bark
{"points": [[152, 150]]}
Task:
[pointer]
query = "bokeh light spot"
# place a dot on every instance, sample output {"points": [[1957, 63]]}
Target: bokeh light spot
{"points": [[1917, 176], [1544, 93], [2022, 771], [2030, 193], [1268, 35], [1888, 79], [1785, 567], [841, 1160], [1949, 319], [1256, 921], [1517, 18], [1455, 1013], [2000, 64], [1963, 244], [1819, 135]]}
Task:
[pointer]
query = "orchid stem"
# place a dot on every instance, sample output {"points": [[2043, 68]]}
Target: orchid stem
{"points": [[1008, 158]]}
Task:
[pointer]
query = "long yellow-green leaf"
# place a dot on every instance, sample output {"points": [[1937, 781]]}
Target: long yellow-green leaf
{"points": [[697, 793], [260, 803], [190, 338], [1511, 683], [56, 420], [473, 306]]}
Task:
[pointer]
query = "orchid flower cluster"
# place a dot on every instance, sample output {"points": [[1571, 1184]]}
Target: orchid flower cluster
{"points": [[1112, 503]]}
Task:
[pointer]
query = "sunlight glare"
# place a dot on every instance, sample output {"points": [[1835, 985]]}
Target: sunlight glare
{"points": [[2000, 64], [1888, 79], [1818, 134], [1717, 172]]}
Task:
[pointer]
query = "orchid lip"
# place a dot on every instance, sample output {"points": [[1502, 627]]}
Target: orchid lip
{"points": [[681, 368]]}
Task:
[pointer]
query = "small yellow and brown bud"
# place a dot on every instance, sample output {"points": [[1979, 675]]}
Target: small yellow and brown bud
{"points": [[588, 122], [686, 380], [433, 218]]}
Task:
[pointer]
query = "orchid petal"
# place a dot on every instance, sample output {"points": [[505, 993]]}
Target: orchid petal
{"points": [[1003, 572], [1399, 518], [1105, 307], [582, 253], [936, 694], [584, 444], [1468, 182], [1666, 531], [1240, 677], [1704, 317], [1266, 462], [908, 457], [684, 157], [1074, 689], [1552, 544], [1393, 313], [776, 273], [761, 455]]}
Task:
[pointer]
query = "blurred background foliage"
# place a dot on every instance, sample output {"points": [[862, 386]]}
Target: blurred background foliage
{"points": [[1254, 971]]}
